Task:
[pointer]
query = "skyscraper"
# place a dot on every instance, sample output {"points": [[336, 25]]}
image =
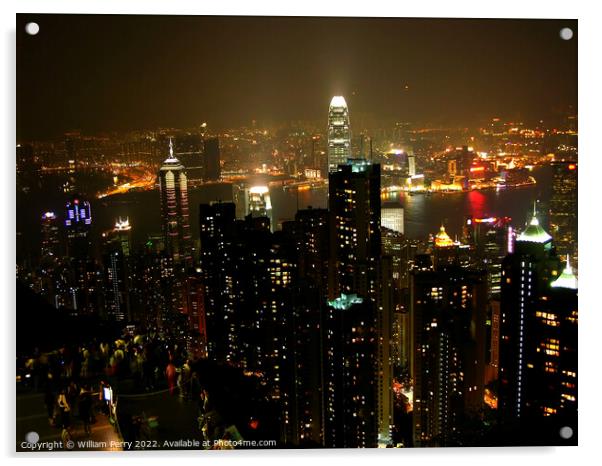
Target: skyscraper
{"points": [[563, 208], [357, 268], [350, 373], [355, 239], [117, 270], [447, 313], [529, 342], [339, 133], [85, 275], [173, 184]]}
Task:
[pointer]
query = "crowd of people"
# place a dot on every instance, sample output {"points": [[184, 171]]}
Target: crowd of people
{"points": [[72, 377]]}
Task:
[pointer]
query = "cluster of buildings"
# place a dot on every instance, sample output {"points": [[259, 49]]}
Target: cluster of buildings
{"points": [[337, 308]]}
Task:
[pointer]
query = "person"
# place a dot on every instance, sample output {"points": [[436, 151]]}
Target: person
{"points": [[171, 375], [64, 410], [85, 408]]}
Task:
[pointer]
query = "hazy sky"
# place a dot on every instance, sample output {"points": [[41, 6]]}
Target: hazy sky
{"points": [[95, 72]]}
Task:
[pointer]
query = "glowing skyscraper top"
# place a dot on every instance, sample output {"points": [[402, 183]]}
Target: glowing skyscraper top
{"points": [[339, 133]]}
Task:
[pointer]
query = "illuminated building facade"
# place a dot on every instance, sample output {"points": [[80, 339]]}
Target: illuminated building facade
{"points": [[85, 275], [356, 266], [489, 239], [339, 133], [355, 240], [531, 347], [391, 217], [217, 231], [117, 271], [350, 373], [173, 184], [259, 203], [563, 208], [447, 313]]}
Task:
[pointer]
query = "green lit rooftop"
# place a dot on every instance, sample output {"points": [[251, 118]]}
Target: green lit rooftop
{"points": [[345, 301]]}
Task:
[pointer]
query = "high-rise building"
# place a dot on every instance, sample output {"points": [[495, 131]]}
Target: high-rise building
{"points": [[490, 239], [211, 165], [217, 234], [50, 236], [84, 271], [529, 344], [173, 184], [391, 217], [350, 373], [357, 268], [339, 133], [259, 203], [54, 283], [117, 271], [563, 208], [310, 231], [447, 312], [355, 240]]}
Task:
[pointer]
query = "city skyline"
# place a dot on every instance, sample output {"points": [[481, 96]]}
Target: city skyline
{"points": [[339, 285]]}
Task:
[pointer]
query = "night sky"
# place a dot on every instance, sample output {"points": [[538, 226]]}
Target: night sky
{"points": [[96, 73]]}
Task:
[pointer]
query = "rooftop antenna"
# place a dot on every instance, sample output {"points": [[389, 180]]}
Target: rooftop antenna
{"points": [[170, 149]]}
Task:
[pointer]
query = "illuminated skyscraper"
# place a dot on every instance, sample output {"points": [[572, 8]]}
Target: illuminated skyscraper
{"points": [[173, 184], [117, 277], [563, 208], [357, 268], [350, 373], [339, 133], [50, 236], [355, 240], [259, 203], [447, 313], [85, 296], [531, 341]]}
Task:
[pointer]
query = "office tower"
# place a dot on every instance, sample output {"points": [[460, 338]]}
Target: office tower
{"points": [[527, 274], [355, 241], [447, 312], [78, 223], [339, 133], [117, 271], [84, 272], [411, 164], [490, 240], [259, 203], [563, 208], [350, 373], [211, 164], [50, 236], [391, 217], [173, 184]]}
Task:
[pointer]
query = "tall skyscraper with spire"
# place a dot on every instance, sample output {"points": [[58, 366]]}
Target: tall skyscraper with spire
{"points": [[173, 184], [339, 133], [538, 363]]}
